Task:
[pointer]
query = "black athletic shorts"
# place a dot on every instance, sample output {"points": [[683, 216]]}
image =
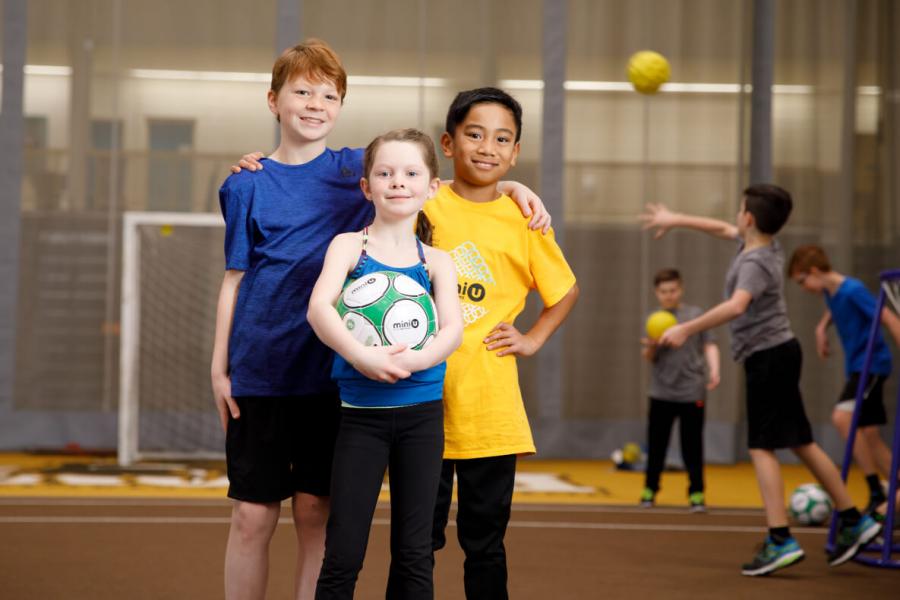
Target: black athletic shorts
{"points": [[280, 446], [775, 415], [872, 411]]}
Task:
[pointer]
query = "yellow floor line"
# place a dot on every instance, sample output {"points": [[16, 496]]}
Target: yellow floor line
{"points": [[538, 481]]}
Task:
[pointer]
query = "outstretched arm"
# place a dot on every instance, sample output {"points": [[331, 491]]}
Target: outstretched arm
{"points": [[726, 311], [657, 216], [376, 363], [221, 380], [510, 340]]}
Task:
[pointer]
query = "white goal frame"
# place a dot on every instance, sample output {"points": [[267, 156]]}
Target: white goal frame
{"points": [[130, 329]]}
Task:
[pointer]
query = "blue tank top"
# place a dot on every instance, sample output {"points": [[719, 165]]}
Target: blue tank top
{"points": [[422, 386]]}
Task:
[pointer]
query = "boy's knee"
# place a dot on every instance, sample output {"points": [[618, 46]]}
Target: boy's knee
{"points": [[252, 522], [841, 419], [311, 511]]}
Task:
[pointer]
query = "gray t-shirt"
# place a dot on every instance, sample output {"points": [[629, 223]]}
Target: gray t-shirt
{"points": [[679, 374], [765, 324]]}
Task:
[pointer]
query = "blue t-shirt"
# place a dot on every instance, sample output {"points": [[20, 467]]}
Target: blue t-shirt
{"points": [[852, 310], [278, 224], [360, 391]]}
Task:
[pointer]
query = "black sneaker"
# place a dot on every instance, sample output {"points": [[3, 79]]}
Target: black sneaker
{"points": [[772, 556], [853, 538]]}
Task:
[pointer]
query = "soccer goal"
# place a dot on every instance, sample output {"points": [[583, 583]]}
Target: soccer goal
{"points": [[172, 267]]}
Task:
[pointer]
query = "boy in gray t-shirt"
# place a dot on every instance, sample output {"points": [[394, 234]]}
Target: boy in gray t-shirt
{"points": [[763, 341], [678, 384]]}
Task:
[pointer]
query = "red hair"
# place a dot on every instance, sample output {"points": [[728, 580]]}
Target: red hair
{"points": [[313, 59]]}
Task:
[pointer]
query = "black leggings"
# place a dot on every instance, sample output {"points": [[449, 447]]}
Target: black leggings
{"points": [[409, 442], [690, 419]]}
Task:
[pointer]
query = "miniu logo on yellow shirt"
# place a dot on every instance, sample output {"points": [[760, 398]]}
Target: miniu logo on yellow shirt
{"points": [[474, 292]]}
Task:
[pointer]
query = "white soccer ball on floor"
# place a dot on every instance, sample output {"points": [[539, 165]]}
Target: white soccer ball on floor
{"points": [[810, 505], [385, 308]]}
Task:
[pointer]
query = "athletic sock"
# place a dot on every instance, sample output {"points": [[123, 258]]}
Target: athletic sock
{"points": [[780, 535], [849, 517], [875, 490]]}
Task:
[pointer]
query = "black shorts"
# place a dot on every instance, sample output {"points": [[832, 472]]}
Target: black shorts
{"points": [[872, 411], [775, 415], [280, 446]]}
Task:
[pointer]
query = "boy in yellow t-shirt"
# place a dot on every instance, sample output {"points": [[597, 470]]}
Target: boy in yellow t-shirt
{"points": [[498, 260]]}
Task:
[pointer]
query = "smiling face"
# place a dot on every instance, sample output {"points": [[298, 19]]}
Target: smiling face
{"points": [[399, 182], [668, 294], [306, 109], [483, 147]]}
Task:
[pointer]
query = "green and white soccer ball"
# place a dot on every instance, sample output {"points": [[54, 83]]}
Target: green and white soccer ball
{"points": [[810, 505], [385, 308]]}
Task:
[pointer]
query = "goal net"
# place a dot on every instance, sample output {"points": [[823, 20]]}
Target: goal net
{"points": [[172, 268]]}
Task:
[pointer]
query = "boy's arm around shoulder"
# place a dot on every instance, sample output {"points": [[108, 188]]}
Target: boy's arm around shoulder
{"points": [[450, 321], [377, 363], [529, 203]]}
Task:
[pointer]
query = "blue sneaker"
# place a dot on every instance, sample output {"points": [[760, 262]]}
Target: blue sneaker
{"points": [[772, 557], [853, 538]]}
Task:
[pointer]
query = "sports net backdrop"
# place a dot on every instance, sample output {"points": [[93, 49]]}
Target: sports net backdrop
{"points": [[151, 117]]}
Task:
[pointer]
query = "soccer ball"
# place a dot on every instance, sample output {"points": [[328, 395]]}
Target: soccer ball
{"points": [[385, 308], [810, 505], [658, 322], [647, 70]]}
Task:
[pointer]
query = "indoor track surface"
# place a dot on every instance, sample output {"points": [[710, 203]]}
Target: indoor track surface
{"points": [[101, 546]]}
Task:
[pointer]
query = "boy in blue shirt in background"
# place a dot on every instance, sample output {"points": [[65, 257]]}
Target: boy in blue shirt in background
{"points": [[851, 307]]}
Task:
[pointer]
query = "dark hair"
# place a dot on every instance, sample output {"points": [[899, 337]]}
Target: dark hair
{"points": [[805, 258], [464, 102], [424, 228], [664, 275], [770, 206]]}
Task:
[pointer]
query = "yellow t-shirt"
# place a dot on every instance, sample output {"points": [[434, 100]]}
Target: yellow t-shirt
{"points": [[498, 260]]}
